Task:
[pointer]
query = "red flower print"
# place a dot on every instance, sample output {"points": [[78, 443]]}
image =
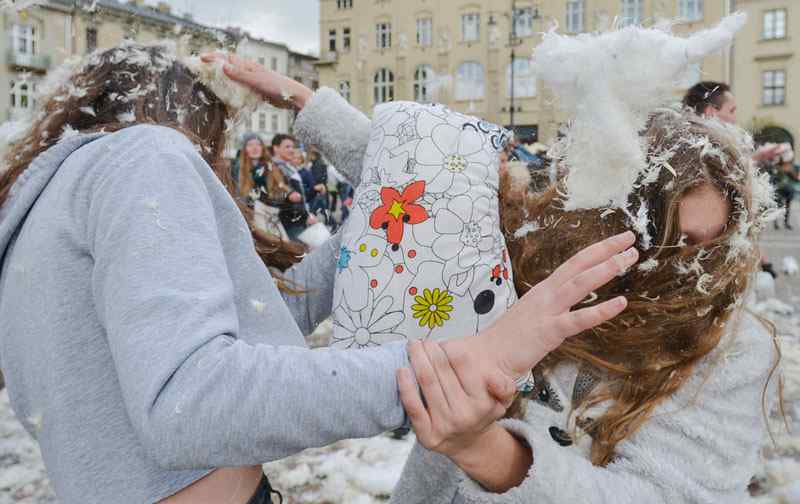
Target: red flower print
{"points": [[398, 210]]}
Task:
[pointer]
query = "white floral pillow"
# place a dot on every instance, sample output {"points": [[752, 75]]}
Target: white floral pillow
{"points": [[422, 253]]}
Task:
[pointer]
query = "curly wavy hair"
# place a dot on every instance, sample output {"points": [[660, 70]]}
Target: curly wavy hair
{"points": [[135, 84]]}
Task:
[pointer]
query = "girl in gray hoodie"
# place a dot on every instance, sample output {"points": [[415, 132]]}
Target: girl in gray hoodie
{"points": [[146, 345]]}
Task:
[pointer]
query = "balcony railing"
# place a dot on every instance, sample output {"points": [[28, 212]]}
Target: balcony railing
{"points": [[39, 62]]}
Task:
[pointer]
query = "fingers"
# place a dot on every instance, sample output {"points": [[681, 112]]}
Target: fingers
{"points": [[427, 379], [502, 388], [412, 402], [212, 57], [590, 257], [575, 322], [575, 290], [451, 386]]}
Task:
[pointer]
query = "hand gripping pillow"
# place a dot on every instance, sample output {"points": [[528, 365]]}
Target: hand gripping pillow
{"points": [[422, 253]]}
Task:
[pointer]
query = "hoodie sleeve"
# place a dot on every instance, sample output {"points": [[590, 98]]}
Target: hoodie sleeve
{"points": [[697, 448], [196, 395], [339, 130]]}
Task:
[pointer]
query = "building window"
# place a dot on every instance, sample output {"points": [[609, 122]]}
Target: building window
{"points": [[774, 87], [248, 122], [631, 12], [332, 40], [91, 40], [423, 80], [471, 27], [21, 96], [346, 39], [24, 39], [575, 16], [384, 86], [383, 35], [524, 80], [275, 124], [425, 32], [344, 4], [344, 89], [470, 82], [262, 121], [775, 24], [262, 61], [691, 10], [274, 64], [523, 22]]}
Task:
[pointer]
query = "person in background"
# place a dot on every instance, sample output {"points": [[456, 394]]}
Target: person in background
{"points": [[784, 176], [304, 170], [296, 218], [715, 99], [333, 188], [346, 193], [262, 186]]}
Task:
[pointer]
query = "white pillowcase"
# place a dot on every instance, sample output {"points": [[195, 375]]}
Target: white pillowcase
{"points": [[422, 253]]}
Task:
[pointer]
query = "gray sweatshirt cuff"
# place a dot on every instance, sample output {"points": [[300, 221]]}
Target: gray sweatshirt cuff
{"points": [[337, 129]]}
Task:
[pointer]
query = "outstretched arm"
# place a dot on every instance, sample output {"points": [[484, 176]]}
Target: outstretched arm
{"points": [[325, 119], [700, 446]]}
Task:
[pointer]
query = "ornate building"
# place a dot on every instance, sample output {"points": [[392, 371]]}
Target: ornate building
{"points": [[467, 53], [41, 38]]}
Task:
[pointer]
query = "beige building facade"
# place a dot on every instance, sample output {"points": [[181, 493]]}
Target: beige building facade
{"points": [[459, 52], [41, 38], [766, 69]]}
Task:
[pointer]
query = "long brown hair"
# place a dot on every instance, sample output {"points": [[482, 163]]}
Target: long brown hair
{"points": [[276, 182], [680, 296], [134, 84]]}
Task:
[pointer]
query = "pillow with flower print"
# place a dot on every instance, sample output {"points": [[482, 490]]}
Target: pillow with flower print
{"points": [[422, 253]]}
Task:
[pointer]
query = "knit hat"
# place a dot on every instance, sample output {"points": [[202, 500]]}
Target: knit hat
{"points": [[250, 136]]}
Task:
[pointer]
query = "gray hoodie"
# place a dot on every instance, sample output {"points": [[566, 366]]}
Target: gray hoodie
{"points": [[144, 341]]}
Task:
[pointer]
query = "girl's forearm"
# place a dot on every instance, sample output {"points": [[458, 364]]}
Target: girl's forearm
{"points": [[497, 460]]}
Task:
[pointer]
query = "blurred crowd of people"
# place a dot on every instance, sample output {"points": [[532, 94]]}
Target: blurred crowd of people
{"points": [[293, 191], [296, 194]]}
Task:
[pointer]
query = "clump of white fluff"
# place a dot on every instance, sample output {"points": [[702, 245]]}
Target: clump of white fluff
{"points": [[231, 93], [609, 83]]}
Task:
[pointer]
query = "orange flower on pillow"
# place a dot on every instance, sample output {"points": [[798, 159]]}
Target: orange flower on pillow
{"points": [[398, 210]]}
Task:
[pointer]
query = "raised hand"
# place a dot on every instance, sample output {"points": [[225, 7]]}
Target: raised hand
{"points": [[280, 91], [543, 318]]}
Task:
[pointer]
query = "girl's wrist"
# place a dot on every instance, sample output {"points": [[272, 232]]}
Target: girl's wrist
{"points": [[497, 460], [474, 454], [300, 97]]}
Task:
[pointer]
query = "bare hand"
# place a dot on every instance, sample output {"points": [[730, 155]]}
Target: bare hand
{"points": [[453, 421], [541, 320], [768, 152], [311, 220], [295, 197], [279, 90]]}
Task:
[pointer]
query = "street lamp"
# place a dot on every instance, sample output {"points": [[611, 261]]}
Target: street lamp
{"points": [[513, 42]]}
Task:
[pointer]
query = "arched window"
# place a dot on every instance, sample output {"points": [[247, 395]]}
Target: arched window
{"points": [[423, 80], [344, 89], [524, 80], [470, 84], [384, 85]]}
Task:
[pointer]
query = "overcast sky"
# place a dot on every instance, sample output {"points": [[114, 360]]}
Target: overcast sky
{"points": [[293, 22]]}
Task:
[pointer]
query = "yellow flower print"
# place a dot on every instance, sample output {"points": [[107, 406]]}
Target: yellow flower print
{"points": [[433, 308]]}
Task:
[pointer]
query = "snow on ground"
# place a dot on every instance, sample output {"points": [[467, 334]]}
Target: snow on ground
{"points": [[364, 471]]}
